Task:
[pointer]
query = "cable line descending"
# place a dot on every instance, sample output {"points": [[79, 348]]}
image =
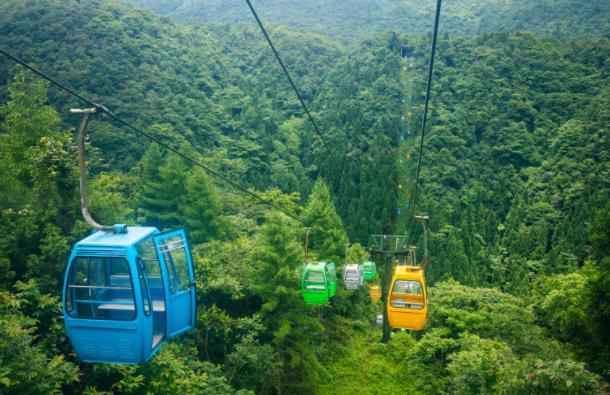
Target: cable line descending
{"points": [[116, 118], [423, 126], [313, 122]]}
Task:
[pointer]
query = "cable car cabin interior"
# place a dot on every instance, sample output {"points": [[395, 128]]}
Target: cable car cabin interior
{"points": [[318, 282], [375, 292], [126, 293], [407, 304], [353, 276], [370, 270]]}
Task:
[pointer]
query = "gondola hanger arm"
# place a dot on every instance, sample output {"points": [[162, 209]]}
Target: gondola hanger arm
{"points": [[82, 169], [421, 219]]}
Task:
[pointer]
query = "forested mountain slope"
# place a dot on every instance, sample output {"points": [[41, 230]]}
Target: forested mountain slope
{"points": [[346, 21], [515, 179], [174, 79]]}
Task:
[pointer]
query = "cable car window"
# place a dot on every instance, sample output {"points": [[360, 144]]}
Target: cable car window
{"points": [[119, 267], [174, 254], [351, 275], [100, 288], [146, 252], [100, 272], [314, 276], [408, 287], [315, 281]]}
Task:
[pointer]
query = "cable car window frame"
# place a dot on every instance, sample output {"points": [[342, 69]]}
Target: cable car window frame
{"points": [[147, 253], [332, 272], [144, 289], [178, 283], [70, 286]]}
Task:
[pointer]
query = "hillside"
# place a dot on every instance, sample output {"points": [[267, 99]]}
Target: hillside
{"points": [[515, 178], [347, 21]]}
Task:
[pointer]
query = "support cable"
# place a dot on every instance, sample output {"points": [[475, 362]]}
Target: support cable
{"points": [[423, 126], [296, 90], [116, 118]]}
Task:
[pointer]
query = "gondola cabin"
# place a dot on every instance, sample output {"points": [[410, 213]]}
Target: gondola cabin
{"points": [[353, 276], [318, 282], [370, 269], [127, 292], [407, 304], [375, 292]]}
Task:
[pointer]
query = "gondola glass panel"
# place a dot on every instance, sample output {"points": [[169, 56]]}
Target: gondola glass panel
{"points": [[100, 288]]}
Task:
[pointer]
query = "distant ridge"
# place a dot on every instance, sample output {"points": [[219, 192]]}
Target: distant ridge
{"points": [[345, 21]]}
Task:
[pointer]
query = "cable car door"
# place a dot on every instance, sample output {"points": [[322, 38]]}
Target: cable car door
{"points": [[332, 290], [179, 281]]}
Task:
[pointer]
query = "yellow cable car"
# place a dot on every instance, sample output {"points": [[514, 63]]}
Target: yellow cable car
{"points": [[408, 299], [407, 304], [375, 292]]}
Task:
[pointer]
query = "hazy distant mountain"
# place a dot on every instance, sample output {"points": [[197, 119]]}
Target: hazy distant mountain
{"points": [[345, 20]]}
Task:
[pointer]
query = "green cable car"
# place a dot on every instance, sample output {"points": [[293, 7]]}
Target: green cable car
{"points": [[318, 282], [370, 270]]}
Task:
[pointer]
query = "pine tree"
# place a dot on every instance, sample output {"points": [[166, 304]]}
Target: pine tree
{"points": [[277, 259], [456, 262], [201, 208], [517, 275], [329, 242], [163, 190]]}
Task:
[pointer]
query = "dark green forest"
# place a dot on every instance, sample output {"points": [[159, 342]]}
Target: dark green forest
{"points": [[515, 179]]}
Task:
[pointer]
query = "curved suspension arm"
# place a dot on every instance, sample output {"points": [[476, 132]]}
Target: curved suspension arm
{"points": [[82, 169], [421, 219], [307, 242]]}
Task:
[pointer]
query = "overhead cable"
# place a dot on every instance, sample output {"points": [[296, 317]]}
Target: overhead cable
{"points": [[313, 122], [111, 115], [423, 126]]}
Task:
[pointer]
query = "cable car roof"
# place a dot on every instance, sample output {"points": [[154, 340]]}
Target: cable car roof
{"points": [[409, 271], [133, 236], [316, 265]]}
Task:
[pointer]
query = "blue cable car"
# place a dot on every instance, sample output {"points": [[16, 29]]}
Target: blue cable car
{"points": [[126, 290], [125, 293]]}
